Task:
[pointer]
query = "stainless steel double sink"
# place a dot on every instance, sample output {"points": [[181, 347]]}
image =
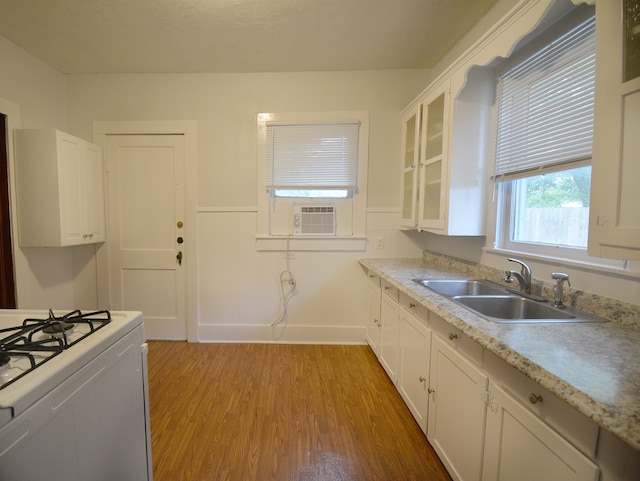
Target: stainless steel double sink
{"points": [[494, 303]]}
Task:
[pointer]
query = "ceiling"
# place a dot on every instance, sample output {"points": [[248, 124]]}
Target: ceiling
{"points": [[195, 36]]}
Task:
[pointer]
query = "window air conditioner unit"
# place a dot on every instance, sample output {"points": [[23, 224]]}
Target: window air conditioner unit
{"points": [[314, 220]]}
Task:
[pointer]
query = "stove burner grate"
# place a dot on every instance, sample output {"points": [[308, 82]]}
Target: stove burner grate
{"points": [[40, 340]]}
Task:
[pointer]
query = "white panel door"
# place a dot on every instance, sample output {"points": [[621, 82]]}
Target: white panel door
{"points": [[146, 219]]}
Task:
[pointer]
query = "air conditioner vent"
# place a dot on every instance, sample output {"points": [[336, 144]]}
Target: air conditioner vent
{"points": [[314, 220]]}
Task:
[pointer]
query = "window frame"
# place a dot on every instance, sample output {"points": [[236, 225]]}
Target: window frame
{"points": [[300, 158], [501, 219], [272, 210]]}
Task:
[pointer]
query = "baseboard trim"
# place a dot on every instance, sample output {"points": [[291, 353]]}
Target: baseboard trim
{"points": [[282, 334]]}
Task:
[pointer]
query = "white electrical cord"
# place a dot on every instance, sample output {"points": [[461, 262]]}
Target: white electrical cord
{"points": [[286, 277]]}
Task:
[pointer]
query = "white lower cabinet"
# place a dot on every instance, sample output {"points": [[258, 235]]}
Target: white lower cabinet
{"points": [[373, 324], [389, 318], [457, 411], [414, 357], [520, 446], [486, 420]]}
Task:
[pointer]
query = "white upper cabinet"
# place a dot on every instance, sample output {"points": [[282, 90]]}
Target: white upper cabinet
{"points": [[444, 169], [60, 190], [410, 158], [614, 224], [454, 115], [454, 173], [434, 159]]}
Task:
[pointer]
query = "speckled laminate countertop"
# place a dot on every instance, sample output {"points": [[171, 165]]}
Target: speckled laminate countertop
{"points": [[593, 367]]}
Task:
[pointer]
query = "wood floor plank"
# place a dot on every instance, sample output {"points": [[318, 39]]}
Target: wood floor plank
{"points": [[262, 412]]}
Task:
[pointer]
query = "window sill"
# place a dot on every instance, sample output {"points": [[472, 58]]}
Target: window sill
{"points": [[310, 243], [630, 272]]}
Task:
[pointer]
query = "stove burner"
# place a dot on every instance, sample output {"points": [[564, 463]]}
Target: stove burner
{"points": [[58, 329]]}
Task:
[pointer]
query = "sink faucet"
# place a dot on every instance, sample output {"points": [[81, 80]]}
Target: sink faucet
{"points": [[523, 277], [559, 278]]}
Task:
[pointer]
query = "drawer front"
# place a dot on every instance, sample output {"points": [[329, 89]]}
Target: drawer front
{"points": [[414, 307], [374, 278], [390, 290], [455, 338]]}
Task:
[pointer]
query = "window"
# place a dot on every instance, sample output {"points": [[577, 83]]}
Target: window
{"points": [[312, 159], [544, 143]]}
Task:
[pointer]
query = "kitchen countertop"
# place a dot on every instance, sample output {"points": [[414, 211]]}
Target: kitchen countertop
{"points": [[594, 367]]}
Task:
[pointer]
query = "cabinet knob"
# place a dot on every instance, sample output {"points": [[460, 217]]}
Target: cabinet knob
{"points": [[411, 305], [431, 391], [386, 288], [422, 379], [535, 398], [452, 336], [372, 275]]}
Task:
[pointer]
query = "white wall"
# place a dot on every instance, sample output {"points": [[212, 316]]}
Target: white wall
{"points": [[238, 293], [34, 96]]}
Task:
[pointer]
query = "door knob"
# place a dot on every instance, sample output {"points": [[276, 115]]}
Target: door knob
{"points": [[179, 240], [179, 257]]}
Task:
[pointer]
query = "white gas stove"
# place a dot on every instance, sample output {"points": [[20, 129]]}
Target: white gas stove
{"points": [[73, 386]]}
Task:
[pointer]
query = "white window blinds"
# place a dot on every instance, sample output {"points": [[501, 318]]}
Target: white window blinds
{"points": [[312, 156], [545, 114]]}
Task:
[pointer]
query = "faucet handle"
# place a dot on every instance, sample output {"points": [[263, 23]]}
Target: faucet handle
{"points": [[525, 269], [560, 276]]}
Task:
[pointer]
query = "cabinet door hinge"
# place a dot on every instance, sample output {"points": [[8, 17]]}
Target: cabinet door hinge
{"points": [[490, 401]]}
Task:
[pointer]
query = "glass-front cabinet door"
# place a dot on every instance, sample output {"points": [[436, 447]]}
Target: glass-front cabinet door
{"points": [[410, 160], [434, 159], [614, 217], [631, 40]]}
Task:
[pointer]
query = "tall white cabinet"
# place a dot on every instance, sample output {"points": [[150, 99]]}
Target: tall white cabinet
{"points": [[614, 224], [60, 190]]}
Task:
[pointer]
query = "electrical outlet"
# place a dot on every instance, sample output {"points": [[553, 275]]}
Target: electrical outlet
{"points": [[380, 243]]}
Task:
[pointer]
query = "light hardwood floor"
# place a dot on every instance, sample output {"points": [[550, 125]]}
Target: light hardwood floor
{"points": [[245, 412]]}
